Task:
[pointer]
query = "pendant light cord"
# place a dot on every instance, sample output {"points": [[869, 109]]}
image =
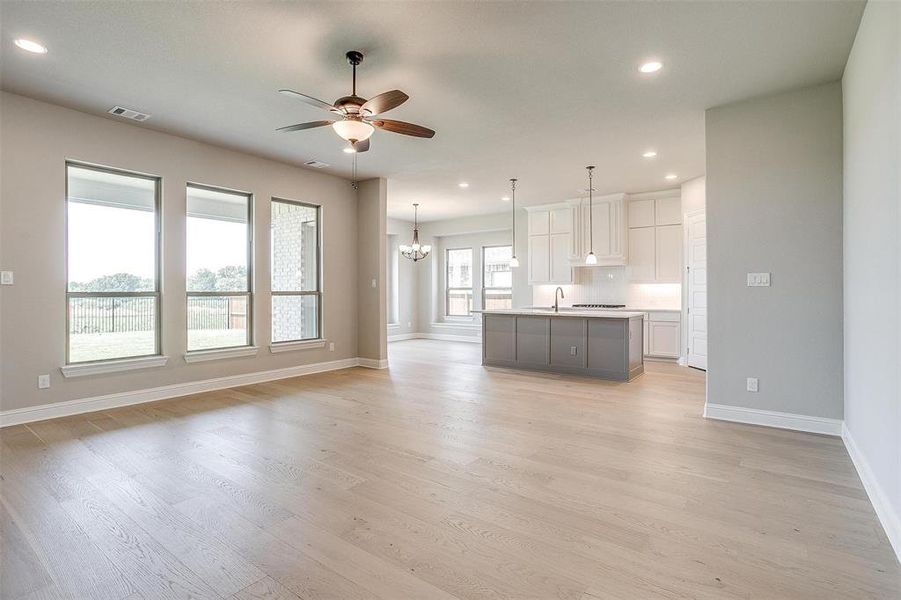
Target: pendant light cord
{"points": [[513, 200], [590, 211]]}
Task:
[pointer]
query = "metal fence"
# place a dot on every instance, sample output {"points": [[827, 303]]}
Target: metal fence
{"points": [[113, 315], [217, 312]]}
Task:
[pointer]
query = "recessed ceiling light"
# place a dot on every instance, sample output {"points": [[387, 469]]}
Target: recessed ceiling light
{"points": [[505, 198], [31, 46], [649, 154], [671, 176], [463, 184], [651, 67], [349, 150]]}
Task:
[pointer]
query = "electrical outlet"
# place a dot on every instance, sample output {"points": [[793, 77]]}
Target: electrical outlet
{"points": [[572, 350], [331, 346], [43, 382], [752, 384], [758, 279], [374, 284], [6, 277]]}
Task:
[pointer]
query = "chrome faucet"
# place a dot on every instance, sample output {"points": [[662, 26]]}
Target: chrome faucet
{"points": [[557, 300]]}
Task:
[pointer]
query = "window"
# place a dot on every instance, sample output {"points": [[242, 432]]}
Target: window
{"points": [[296, 291], [218, 252], [112, 255], [497, 281], [459, 282]]}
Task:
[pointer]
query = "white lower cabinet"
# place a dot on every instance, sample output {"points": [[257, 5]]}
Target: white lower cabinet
{"points": [[664, 335]]}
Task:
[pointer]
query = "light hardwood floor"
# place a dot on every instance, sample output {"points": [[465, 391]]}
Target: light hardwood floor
{"points": [[436, 479]]}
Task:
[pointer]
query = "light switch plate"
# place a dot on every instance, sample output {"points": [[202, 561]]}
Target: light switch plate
{"points": [[752, 384], [758, 279], [6, 277], [373, 284]]}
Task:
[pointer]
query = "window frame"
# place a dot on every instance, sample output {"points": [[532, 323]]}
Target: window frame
{"points": [[317, 292], [448, 289], [249, 294], [484, 288], [156, 294]]}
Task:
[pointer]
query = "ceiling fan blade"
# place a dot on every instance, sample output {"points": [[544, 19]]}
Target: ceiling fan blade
{"points": [[362, 146], [300, 126], [384, 102], [310, 100], [403, 128]]}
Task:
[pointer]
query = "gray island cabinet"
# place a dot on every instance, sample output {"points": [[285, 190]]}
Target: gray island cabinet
{"points": [[607, 345]]}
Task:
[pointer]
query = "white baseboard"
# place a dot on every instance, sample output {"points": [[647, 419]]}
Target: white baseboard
{"points": [[769, 418], [399, 337], [452, 338], [17, 416], [891, 520], [373, 363], [436, 336]]}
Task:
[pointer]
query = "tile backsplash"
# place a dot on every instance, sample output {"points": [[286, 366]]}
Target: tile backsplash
{"points": [[609, 285]]}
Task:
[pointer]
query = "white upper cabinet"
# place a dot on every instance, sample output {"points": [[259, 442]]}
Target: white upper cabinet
{"points": [[642, 254], [539, 259], [560, 238], [561, 220], [641, 213], [667, 211], [668, 253], [604, 230], [655, 239], [561, 269], [539, 222], [550, 244]]}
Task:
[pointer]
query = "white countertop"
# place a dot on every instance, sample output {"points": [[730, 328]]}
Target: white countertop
{"points": [[564, 312], [627, 309]]}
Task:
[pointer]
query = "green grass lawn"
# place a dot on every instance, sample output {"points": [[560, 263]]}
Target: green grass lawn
{"points": [[105, 346]]}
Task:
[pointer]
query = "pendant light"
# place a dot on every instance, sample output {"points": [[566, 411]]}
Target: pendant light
{"points": [[415, 251], [514, 262], [591, 259]]}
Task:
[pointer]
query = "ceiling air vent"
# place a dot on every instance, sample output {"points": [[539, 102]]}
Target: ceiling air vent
{"points": [[316, 164], [121, 111]]}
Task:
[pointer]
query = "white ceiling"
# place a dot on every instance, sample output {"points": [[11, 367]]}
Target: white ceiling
{"points": [[514, 89]]}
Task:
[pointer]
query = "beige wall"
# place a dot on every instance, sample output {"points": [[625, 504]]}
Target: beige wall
{"points": [[694, 194], [872, 253], [774, 204], [372, 272], [407, 272], [37, 138]]}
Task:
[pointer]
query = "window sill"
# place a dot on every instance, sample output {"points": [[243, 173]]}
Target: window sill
{"points": [[220, 354], [460, 323], [113, 366], [292, 346]]}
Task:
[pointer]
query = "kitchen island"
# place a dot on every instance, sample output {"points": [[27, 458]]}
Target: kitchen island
{"points": [[603, 344]]}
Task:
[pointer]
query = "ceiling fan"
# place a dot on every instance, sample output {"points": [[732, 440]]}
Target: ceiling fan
{"points": [[356, 117]]}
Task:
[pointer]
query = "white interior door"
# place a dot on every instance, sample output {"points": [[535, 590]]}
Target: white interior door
{"points": [[696, 275]]}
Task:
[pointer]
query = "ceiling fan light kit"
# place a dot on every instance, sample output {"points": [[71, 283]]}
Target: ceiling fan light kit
{"points": [[355, 119], [352, 130]]}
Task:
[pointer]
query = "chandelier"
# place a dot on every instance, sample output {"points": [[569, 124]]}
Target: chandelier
{"points": [[415, 251]]}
